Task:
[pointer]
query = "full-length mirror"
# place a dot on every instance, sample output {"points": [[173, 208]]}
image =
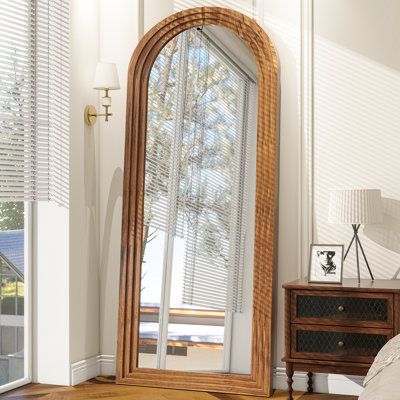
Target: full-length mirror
{"points": [[199, 198], [198, 240]]}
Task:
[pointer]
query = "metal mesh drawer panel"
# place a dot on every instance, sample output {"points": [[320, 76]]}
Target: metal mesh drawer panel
{"points": [[370, 309], [339, 343]]}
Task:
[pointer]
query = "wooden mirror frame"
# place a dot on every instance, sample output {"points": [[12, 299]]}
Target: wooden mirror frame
{"points": [[258, 382]]}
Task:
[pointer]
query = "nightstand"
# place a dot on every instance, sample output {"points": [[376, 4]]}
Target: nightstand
{"points": [[338, 329]]}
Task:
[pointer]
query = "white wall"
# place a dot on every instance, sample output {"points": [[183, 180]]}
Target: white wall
{"points": [[357, 120], [83, 258], [282, 19], [66, 277], [51, 345], [118, 37]]}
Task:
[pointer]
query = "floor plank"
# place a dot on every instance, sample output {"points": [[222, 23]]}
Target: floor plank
{"points": [[104, 388]]}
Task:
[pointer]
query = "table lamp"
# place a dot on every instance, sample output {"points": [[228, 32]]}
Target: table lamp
{"points": [[356, 207]]}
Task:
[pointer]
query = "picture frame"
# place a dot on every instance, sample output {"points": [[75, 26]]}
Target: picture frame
{"points": [[326, 263]]}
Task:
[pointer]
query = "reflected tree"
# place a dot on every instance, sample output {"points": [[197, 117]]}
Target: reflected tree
{"points": [[207, 143]]}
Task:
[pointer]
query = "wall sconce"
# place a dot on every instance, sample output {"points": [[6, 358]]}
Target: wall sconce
{"points": [[106, 78]]}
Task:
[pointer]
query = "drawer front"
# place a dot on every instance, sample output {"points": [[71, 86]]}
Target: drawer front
{"points": [[343, 308], [338, 343]]}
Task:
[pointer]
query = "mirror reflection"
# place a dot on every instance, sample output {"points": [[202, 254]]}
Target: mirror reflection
{"points": [[199, 195]]}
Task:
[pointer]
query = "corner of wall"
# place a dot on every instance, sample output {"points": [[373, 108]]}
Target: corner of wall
{"points": [[83, 219]]}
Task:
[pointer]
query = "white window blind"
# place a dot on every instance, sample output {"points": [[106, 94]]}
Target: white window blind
{"points": [[196, 165], [34, 100]]}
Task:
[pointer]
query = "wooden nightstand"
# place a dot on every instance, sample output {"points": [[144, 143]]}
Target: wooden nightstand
{"points": [[338, 329]]}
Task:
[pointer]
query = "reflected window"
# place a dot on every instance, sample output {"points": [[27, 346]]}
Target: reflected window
{"points": [[198, 146]]}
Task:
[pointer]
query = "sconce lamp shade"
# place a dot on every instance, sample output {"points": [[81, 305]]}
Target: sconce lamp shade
{"points": [[106, 77], [355, 206]]}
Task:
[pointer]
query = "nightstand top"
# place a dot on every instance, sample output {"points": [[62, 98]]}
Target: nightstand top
{"points": [[379, 285]]}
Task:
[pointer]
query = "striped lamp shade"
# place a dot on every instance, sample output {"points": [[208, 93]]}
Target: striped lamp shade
{"points": [[355, 206]]}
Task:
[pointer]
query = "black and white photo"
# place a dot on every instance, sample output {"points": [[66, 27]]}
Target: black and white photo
{"points": [[326, 263]]}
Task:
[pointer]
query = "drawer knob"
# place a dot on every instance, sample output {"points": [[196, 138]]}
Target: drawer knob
{"points": [[340, 343], [340, 308]]}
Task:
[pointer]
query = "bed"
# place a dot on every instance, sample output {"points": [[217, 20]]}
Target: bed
{"points": [[383, 379]]}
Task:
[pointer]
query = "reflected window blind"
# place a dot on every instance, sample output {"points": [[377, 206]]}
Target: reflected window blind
{"points": [[34, 100], [163, 137], [196, 166], [214, 167]]}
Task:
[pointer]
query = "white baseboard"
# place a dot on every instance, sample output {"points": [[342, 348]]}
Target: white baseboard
{"points": [[108, 365], [83, 370], [323, 383]]}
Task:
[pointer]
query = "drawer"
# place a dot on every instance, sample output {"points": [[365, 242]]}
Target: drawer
{"points": [[342, 308], [337, 343]]}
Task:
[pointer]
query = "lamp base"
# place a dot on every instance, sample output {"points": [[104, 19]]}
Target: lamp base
{"points": [[90, 115], [357, 242]]}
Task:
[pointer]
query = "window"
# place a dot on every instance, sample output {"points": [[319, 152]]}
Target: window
{"points": [[34, 119], [12, 291]]}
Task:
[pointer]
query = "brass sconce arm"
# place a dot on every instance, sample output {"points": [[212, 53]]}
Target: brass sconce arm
{"points": [[91, 112]]}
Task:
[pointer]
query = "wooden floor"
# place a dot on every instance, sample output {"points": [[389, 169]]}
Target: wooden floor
{"points": [[105, 388]]}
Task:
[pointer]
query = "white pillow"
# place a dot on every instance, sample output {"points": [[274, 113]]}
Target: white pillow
{"points": [[385, 386], [389, 353]]}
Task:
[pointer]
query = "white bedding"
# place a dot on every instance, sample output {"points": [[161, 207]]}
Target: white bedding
{"points": [[385, 385], [383, 379], [388, 354]]}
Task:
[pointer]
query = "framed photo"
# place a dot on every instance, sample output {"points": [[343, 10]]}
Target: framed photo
{"points": [[326, 263]]}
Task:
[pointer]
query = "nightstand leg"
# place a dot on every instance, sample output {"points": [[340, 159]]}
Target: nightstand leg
{"points": [[309, 382], [289, 374]]}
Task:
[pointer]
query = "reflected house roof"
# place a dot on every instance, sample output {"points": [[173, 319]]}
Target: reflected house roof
{"points": [[12, 249]]}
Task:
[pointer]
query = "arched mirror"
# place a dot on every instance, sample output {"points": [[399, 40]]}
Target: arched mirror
{"points": [[200, 199]]}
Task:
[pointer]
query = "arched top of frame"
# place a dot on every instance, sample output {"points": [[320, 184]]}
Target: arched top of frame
{"points": [[245, 27]]}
